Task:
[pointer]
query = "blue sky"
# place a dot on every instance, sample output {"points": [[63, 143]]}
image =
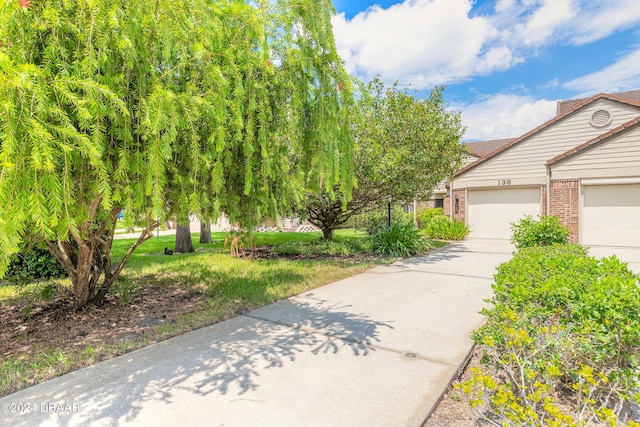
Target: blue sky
{"points": [[504, 63]]}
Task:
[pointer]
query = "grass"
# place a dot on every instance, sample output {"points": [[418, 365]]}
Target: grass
{"points": [[345, 243], [212, 272], [225, 286], [8, 292]]}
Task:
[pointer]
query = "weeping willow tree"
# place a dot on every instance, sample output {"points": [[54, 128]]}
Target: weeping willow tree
{"points": [[157, 106]]}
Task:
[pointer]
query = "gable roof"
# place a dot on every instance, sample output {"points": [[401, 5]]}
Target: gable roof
{"points": [[564, 106], [484, 148], [595, 141], [575, 107]]}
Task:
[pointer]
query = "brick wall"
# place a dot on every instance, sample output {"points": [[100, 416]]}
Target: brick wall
{"points": [[459, 208], [431, 203], [564, 201], [447, 205]]}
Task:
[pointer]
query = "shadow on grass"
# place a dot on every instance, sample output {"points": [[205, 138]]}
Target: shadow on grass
{"points": [[228, 360]]}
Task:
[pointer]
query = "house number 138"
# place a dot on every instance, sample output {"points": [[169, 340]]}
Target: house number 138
{"points": [[504, 182]]}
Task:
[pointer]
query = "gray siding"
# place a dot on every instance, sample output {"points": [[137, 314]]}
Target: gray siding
{"points": [[618, 157], [525, 163]]}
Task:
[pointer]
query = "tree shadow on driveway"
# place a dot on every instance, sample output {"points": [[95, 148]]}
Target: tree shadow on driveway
{"points": [[227, 359]]}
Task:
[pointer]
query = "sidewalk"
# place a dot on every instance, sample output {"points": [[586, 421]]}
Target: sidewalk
{"points": [[377, 349]]}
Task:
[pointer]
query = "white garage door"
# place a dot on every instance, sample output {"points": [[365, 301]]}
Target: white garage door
{"points": [[611, 215], [491, 212]]}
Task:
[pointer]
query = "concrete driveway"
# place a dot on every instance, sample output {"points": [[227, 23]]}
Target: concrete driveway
{"points": [[376, 349]]}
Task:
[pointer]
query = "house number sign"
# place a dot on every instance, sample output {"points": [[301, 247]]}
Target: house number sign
{"points": [[502, 182]]}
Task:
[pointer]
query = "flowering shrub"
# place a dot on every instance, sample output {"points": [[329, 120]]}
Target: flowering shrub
{"points": [[564, 336]]}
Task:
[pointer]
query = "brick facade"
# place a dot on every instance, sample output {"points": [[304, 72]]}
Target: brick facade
{"points": [[459, 206], [447, 205], [565, 204], [431, 203]]}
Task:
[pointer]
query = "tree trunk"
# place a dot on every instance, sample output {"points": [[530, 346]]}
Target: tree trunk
{"points": [[88, 260], [327, 233], [184, 244], [86, 277], [205, 232]]}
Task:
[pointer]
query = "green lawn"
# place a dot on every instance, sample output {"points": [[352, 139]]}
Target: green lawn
{"points": [[212, 272]]}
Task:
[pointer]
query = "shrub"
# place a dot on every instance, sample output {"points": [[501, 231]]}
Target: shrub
{"points": [[442, 227], [399, 240], [436, 225], [371, 222], [546, 230], [425, 215], [34, 262], [563, 324]]}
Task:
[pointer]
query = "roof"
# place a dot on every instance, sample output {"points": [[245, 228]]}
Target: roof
{"points": [[595, 141], [564, 106], [627, 99], [484, 148]]}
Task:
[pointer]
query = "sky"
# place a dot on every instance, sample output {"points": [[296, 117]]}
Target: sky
{"points": [[504, 63]]}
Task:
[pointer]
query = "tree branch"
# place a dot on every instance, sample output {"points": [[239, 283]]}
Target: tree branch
{"points": [[62, 257], [146, 234]]}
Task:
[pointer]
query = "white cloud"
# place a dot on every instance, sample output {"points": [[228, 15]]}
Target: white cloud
{"points": [[546, 20], [623, 75], [504, 116], [436, 42], [422, 42], [504, 5], [601, 18]]}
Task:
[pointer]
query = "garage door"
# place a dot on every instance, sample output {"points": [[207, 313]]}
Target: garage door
{"points": [[491, 212], [611, 215]]}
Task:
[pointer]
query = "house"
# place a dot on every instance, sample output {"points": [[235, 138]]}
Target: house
{"points": [[476, 151], [582, 166]]}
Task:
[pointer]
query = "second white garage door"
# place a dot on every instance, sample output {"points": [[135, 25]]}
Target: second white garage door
{"points": [[611, 215], [491, 212]]}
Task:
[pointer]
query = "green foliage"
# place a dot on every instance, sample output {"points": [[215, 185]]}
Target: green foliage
{"points": [[561, 322], [404, 147], [34, 292], [425, 215], [533, 388], [126, 289], [593, 298], [372, 221], [443, 227], [339, 246], [34, 262], [157, 108], [546, 230], [436, 225], [399, 240]]}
